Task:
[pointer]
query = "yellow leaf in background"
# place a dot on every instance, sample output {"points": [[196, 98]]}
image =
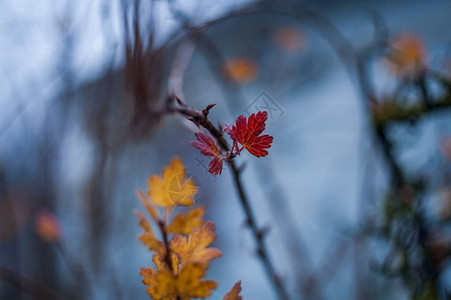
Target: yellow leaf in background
{"points": [[240, 70], [172, 188], [290, 39], [184, 223], [194, 248], [407, 55], [188, 284], [233, 294], [148, 237]]}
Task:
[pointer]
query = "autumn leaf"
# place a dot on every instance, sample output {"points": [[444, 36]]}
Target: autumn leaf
{"points": [[185, 222], [187, 284], [159, 259], [208, 147], [172, 188], [240, 70], [147, 238], [407, 55], [247, 133], [290, 39], [47, 226], [233, 294], [194, 249]]}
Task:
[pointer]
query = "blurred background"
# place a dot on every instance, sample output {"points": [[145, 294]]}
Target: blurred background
{"points": [[355, 193]]}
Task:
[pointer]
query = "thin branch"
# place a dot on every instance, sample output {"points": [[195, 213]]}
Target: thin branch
{"points": [[201, 119], [167, 256]]}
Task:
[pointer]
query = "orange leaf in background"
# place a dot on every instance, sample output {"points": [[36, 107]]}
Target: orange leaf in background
{"points": [[289, 39], [233, 294], [147, 238], [194, 248], [208, 147], [240, 70], [187, 284], [172, 188], [184, 223], [247, 133], [407, 55], [47, 226]]}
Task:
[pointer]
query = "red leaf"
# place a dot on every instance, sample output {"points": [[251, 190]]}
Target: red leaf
{"points": [[234, 293], [208, 147], [248, 133]]}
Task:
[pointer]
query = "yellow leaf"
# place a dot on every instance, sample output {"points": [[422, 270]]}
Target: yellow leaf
{"points": [[172, 188], [188, 284], [233, 294], [147, 238], [184, 223], [194, 249]]}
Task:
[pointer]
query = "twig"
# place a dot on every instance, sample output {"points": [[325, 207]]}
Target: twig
{"points": [[201, 119], [167, 256]]}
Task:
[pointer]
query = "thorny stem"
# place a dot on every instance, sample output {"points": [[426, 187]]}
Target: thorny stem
{"points": [[201, 119]]}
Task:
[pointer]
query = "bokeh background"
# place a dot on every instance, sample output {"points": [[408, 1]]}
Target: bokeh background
{"points": [[82, 84]]}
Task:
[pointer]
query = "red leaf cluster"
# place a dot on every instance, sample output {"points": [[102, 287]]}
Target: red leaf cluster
{"points": [[246, 132]]}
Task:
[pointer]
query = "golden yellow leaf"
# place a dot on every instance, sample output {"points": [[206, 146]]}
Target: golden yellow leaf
{"points": [[234, 293], [172, 188], [194, 248], [188, 284], [147, 238], [184, 223], [240, 69]]}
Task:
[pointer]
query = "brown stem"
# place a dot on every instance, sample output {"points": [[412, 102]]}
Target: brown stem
{"points": [[201, 118], [167, 256]]}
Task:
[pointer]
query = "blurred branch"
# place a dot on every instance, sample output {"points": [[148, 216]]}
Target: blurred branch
{"points": [[300, 12], [21, 281], [402, 113], [407, 210]]}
